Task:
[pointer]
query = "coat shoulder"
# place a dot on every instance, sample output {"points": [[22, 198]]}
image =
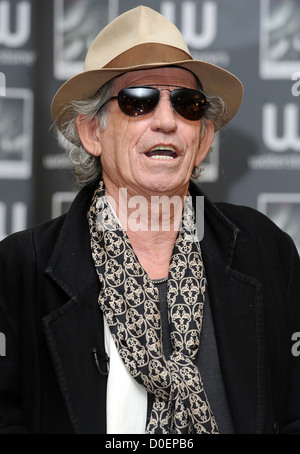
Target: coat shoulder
{"points": [[252, 222], [260, 236], [20, 247]]}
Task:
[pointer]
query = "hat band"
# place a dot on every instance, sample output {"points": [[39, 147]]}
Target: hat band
{"points": [[149, 53]]}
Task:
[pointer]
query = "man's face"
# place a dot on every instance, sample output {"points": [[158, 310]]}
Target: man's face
{"points": [[126, 142]]}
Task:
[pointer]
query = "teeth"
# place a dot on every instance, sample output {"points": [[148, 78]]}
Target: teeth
{"points": [[162, 152], [164, 147], [161, 157]]}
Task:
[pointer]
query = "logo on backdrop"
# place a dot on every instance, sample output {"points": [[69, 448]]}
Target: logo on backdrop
{"points": [[289, 138], [280, 134], [284, 210], [189, 21], [20, 35], [61, 202], [16, 221], [15, 33], [279, 38], [16, 130], [76, 24]]}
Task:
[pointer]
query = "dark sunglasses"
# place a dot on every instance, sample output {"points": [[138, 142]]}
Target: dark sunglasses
{"points": [[138, 101]]}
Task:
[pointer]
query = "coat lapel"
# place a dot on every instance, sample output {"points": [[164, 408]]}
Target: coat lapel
{"points": [[73, 330], [236, 303], [236, 307]]}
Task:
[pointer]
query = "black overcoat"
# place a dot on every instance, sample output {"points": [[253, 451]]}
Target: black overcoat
{"points": [[49, 315]]}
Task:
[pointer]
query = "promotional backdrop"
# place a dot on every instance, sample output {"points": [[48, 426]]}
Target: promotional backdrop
{"points": [[256, 159]]}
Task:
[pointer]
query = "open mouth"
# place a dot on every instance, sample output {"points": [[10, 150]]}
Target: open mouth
{"points": [[162, 152]]}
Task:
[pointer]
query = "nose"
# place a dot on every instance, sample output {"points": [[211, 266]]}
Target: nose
{"points": [[164, 116]]}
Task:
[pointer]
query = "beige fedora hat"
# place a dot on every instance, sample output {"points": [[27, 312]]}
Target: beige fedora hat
{"points": [[139, 39]]}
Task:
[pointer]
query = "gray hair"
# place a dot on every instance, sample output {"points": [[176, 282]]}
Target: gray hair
{"points": [[88, 167]]}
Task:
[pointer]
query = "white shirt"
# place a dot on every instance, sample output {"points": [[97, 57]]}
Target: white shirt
{"points": [[126, 400]]}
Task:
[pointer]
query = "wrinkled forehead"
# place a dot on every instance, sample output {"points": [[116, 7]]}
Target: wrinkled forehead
{"points": [[165, 76]]}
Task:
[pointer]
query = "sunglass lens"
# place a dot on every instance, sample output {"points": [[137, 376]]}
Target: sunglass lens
{"points": [[136, 101], [189, 103]]}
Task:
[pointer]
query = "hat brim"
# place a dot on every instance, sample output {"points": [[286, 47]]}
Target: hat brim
{"points": [[214, 80]]}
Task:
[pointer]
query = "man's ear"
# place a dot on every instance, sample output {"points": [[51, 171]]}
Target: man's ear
{"points": [[205, 142], [89, 134]]}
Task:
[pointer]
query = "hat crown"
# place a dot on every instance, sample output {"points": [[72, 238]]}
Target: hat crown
{"points": [[139, 26], [141, 39]]}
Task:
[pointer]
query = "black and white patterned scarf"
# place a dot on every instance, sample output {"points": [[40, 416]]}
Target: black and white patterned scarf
{"points": [[130, 300]]}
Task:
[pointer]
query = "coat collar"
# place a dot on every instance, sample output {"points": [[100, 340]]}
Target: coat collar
{"points": [[74, 330], [236, 301], [71, 265]]}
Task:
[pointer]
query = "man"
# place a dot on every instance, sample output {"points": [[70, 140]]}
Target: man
{"points": [[115, 323]]}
